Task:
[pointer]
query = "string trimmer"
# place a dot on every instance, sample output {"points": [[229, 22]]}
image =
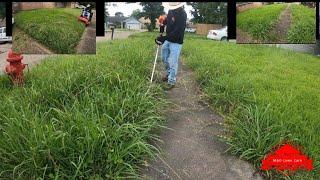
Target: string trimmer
{"points": [[154, 64]]}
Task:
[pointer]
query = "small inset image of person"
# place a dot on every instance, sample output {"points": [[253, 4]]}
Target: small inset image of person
{"points": [[54, 27]]}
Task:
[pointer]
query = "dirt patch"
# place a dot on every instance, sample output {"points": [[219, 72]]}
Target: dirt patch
{"points": [[25, 44], [191, 148], [282, 27], [244, 37]]}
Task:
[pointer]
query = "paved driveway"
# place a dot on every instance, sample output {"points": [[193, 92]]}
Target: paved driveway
{"points": [[31, 59], [117, 35]]}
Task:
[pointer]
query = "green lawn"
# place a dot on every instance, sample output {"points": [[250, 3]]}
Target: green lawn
{"points": [[92, 116], [268, 95], [303, 25], [73, 11], [58, 29], [81, 117], [260, 21]]}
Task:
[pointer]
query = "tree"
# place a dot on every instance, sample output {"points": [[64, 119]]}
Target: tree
{"points": [[151, 10], [2, 10], [137, 14], [209, 12], [119, 14]]}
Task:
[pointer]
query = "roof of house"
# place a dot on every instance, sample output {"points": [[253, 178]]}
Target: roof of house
{"points": [[115, 19], [132, 20]]}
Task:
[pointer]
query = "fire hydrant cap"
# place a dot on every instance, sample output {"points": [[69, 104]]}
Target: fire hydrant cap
{"points": [[14, 57]]}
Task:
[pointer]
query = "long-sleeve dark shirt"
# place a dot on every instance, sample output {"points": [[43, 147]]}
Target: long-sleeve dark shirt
{"points": [[176, 24]]}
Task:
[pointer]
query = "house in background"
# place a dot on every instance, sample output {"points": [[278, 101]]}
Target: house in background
{"points": [[243, 6], [19, 6], [118, 21], [145, 22], [132, 23]]}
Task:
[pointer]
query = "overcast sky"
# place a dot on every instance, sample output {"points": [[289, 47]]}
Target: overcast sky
{"points": [[127, 9]]}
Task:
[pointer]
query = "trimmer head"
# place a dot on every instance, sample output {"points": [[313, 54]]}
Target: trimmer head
{"points": [[84, 20]]}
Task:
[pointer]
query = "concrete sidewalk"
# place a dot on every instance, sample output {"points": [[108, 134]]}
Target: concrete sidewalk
{"points": [[31, 59]]}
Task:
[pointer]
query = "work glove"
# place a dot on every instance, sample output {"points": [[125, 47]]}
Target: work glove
{"points": [[160, 40]]}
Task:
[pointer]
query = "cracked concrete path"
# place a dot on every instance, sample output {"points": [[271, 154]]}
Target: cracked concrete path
{"points": [[282, 27], [191, 148], [87, 44]]}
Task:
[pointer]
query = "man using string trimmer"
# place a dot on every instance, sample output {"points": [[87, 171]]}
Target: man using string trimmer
{"points": [[175, 23]]}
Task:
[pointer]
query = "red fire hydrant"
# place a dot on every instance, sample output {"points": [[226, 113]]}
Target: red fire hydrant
{"points": [[15, 68]]}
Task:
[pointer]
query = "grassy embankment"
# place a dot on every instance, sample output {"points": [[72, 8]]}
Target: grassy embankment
{"points": [[84, 116], [302, 29], [268, 95], [258, 22], [58, 29], [81, 116]]}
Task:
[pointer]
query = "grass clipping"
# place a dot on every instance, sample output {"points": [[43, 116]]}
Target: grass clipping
{"points": [[81, 116]]}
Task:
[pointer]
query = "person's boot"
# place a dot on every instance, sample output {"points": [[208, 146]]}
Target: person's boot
{"points": [[168, 87]]}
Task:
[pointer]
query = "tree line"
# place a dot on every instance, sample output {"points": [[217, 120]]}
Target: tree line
{"points": [[203, 12]]}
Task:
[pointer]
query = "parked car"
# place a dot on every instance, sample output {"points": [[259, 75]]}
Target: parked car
{"points": [[3, 36], [192, 30], [219, 34]]}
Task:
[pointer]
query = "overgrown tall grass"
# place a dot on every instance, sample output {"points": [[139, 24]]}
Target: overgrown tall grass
{"points": [[81, 117], [302, 29], [260, 21], [268, 94], [58, 29]]}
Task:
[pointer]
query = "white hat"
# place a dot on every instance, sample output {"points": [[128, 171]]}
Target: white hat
{"points": [[172, 5]]}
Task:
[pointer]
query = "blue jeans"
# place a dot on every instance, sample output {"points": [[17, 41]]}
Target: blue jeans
{"points": [[170, 56]]}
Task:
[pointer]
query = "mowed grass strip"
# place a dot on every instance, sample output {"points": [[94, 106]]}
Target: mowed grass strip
{"points": [[302, 29], [81, 117], [268, 94], [58, 29], [258, 22]]}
